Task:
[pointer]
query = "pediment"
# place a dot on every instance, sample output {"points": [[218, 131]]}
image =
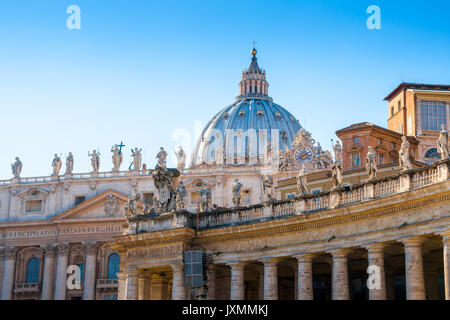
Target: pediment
{"points": [[106, 205]]}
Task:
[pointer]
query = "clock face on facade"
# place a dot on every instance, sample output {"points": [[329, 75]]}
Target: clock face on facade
{"points": [[303, 155]]}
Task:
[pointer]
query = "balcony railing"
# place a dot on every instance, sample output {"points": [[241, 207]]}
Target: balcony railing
{"points": [[27, 287], [107, 283], [301, 205]]}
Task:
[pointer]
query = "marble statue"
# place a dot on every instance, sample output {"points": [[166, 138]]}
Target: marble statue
{"points": [[117, 157], [163, 183], [371, 163], [403, 154], [205, 198], [237, 192], [131, 206], [16, 168], [95, 160], [301, 181], [161, 156], [337, 151], [137, 159], [180, 196], [181, 158], [267, 187], [336, 174], [56, 164], [442, 143], [69, 163], [219, 155]]}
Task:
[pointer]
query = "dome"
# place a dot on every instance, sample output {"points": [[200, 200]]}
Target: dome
{"points": [[245, 132]]}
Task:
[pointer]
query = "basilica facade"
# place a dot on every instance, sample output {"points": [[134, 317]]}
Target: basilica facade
{"points": [[260, 212]]}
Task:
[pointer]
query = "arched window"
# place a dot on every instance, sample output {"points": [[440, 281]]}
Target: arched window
{"points": [[32, 271], [113, 265], [432, 155]]}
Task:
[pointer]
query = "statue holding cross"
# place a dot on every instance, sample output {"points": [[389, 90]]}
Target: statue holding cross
{"points": [[117, 157]]}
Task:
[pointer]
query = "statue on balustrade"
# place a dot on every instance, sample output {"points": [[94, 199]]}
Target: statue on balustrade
{"points": [[181, 158], [56, 164], [267, 184], [16, 168], [237, 193], [442, 143], [117, 157], [137, 159], [403, 154], [301, 181], [95, 160], [371, 163], [69, 164], [336, 174], [161, 156], [337, 151], [205, 198], [180, 196]]}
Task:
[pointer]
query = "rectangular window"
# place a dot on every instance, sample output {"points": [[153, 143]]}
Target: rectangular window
{"points": [[355, 140], [79, 199], [33, 206], [148, 198], [392, 111], [432, 114], [193, 268], [316, 191], [399, 106], [380, 159]]}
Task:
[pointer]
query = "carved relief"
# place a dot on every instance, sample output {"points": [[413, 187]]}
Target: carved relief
{"points": [[111, 206]]}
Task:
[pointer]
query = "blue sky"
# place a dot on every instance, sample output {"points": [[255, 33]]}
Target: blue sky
{"points": [[137, 71]]}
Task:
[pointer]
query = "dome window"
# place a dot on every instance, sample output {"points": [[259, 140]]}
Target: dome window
{"points": [[226, 115], [242, 113], [260, 112], [283, 134], [278, 114], [292, 117]]}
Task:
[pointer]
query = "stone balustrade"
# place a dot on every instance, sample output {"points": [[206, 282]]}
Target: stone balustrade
{"points": [[305, 204]]}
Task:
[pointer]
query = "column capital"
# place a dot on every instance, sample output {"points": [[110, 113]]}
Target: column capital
{"points": [[445, 235], [91, 247], [270, 261], [375, 247], [415, 241], [9, 253], [304, 257], [177, 266], [62, 249], [49, 249], [340, 253]]}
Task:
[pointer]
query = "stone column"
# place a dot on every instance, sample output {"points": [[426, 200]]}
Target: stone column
{"points": [[340, 289], [143, 286], [237, 288], [90, 271], [61, 271], [377, 291], [9, 266], [270, 279], [178, 290], [304, 277], [431, 280], [122, 286], [159, 287], [1, 269], [49, 271], [415, 284], [211, 276], [132, 284], [446, 252]]}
